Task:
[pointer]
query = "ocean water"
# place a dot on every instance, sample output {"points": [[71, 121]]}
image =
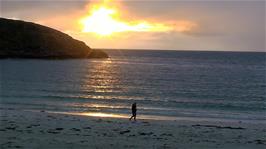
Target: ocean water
{"points": [[170, 84]]}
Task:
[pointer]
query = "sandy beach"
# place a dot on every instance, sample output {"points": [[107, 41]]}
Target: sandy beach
{"points": [[40, 129]]}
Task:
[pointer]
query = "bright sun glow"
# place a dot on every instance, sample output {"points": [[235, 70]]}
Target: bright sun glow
{"points": [[104, 21]]}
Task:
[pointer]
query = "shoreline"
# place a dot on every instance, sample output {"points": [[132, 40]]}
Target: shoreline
{"points": [[27, 129], [160, 118], [140, 116]]}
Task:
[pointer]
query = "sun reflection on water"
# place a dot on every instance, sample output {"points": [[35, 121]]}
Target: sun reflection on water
{"points": [[99, 114], [111, 115], [102, 77], [92, 114]]}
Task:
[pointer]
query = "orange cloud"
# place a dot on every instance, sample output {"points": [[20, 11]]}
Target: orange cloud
{"points": [[102, 19]]}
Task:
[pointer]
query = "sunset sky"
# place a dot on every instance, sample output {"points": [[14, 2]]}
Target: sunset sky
{"points": [[226, 25]]}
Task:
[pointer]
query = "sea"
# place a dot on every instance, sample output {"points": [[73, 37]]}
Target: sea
{"points": [[166, 85]]}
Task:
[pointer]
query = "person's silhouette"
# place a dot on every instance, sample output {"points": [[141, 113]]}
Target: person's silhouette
{"points": [[134, 111]]}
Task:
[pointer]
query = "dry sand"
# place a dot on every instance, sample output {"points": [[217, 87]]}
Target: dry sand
{"points": [[43, 130]]}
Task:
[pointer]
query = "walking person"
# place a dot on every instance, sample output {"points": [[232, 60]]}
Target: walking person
{"points": [[134, 111]]}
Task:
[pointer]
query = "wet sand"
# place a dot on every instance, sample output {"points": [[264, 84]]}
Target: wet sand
{"points": [[42, 130]]}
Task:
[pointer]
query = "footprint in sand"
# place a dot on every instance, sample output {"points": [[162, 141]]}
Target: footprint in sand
{"points": [[123, 132], [59, 129], [75, 129], [143, 133]]}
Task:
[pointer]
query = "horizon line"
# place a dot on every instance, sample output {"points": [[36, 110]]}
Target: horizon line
{"points": [[191, 50]]}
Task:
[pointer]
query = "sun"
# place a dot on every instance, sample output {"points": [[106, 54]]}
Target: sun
{"points": [[102, 22], [105, 21]]}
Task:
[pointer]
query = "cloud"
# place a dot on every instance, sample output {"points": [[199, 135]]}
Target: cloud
{"points": [[34, 10], [198, 25]]}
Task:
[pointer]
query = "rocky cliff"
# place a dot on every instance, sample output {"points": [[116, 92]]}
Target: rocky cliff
{"points": [[19, 39]]}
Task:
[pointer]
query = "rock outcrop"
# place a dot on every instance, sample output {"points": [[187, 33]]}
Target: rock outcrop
{"points": [[19, 39]]}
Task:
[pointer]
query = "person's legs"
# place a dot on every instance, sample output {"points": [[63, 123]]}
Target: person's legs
{"points": [[131, 117], [135, 115]]}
